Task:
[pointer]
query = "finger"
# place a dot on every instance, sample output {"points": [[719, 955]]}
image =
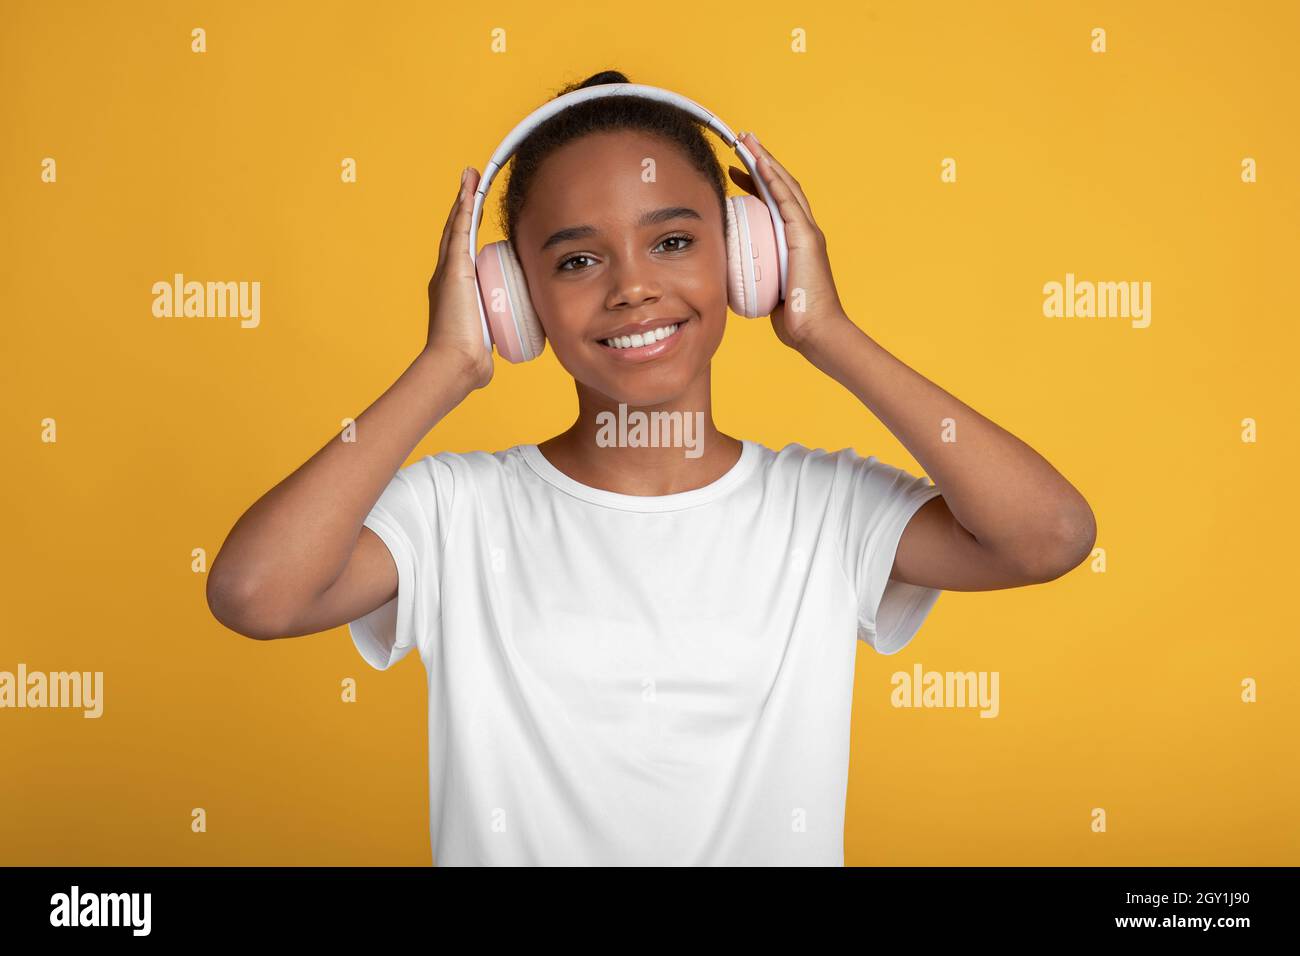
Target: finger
{"points": [[799, 228], [464, 198], [446, 226], [797, 224], [758, 149], [458, 234]]}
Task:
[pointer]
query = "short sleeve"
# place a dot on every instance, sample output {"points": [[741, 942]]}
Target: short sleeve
{"points": [[879, 502], [411, 518]]}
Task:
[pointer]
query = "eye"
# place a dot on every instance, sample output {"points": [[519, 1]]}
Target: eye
{"points": [[684, 240], [680, 237], [564, 263]]}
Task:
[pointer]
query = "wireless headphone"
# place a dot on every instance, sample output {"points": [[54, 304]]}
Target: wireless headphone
{"points": [[756, 249]]}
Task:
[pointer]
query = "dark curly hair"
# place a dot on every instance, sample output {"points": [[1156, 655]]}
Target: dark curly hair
{"points": [[602, 115]]}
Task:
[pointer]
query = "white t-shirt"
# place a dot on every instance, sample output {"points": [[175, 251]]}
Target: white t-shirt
{"points": [[626, 680]]}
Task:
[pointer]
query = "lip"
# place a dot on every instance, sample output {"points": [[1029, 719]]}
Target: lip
{"points": [[640, 328], [654, 350]]}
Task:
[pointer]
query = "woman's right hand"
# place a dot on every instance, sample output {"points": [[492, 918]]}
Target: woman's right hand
{"points": [[454, 325]]}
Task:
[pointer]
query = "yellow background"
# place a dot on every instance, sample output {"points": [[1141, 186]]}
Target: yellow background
{"points": [[1118, 690]]}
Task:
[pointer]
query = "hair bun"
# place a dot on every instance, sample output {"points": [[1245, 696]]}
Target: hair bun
{"points": [[600, 79]]}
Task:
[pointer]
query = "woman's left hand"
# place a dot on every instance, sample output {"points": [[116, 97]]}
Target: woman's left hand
{"points": [[812, 303]]}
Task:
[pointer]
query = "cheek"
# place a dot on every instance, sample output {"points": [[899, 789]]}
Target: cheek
{"points": [[563, 308], [701, 281], [564, 311], [717, 289]]}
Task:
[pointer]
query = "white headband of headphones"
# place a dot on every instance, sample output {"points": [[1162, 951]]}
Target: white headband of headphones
{"points": [[549, 109]]}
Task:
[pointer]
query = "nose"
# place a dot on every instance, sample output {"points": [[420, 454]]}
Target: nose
{"points": [[633, 284]]}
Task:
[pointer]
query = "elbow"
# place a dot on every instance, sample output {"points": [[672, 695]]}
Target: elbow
{"points": [[236, 605], [1064, 548]]}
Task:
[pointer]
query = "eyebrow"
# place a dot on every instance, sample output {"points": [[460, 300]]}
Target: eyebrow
{"points": [[651, 218]]}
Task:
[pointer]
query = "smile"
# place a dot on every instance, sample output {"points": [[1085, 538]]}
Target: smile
{"points": [[642, 341]]}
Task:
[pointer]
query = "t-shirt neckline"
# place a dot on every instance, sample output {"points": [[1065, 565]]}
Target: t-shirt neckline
{"points": [[612, 499]]}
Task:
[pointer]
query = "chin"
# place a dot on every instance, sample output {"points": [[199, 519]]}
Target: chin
{"points": [[653, 390]]}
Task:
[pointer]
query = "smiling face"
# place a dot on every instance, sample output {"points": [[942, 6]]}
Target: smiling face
{"points": [[603, 250]]}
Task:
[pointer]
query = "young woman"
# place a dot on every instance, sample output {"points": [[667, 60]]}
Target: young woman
{"points": [[640, 654]]}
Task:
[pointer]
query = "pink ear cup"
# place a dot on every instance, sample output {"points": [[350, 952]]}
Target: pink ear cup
{"points": [[512, 323], [735, 274], [753, 282]]}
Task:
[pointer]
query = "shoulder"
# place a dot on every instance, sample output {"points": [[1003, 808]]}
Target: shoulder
{"points": [[841, 480], [468, 468], [815, 469]]}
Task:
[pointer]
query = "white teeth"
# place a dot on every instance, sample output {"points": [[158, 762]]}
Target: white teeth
{"points": [[639, 340]]}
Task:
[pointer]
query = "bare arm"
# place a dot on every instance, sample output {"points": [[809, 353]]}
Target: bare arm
{"points": [[273, 575], [299, 561], [1005, 517]]}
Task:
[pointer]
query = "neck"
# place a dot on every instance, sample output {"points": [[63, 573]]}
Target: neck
{"points": [[653, 449]]}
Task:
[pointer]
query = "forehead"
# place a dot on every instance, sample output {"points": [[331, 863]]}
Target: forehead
{"points": [[611, 176]]}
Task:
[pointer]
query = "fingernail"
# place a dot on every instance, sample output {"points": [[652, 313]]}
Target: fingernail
{"points": [[755, 135], [464, 175]]}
